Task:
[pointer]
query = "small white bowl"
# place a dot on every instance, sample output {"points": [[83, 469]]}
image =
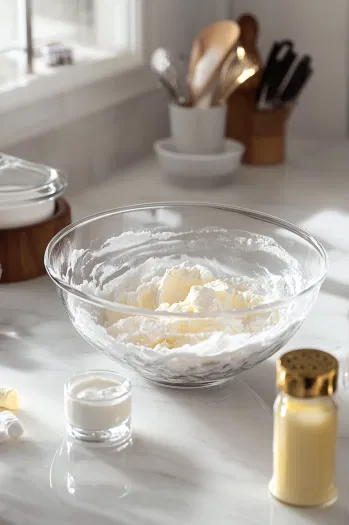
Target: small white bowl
{"points": [[28, 192], [25, 214], [212, 169]]}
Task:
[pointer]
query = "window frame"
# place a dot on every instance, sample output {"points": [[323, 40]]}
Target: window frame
{"points": [[33, 88], [72, 92]]}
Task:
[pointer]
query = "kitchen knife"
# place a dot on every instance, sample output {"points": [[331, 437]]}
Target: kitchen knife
{"points": [[280, 59], [266, 71], [297, 81]]}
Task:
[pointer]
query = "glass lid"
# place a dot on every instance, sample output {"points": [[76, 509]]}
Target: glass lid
{"points": [[23, 181]]}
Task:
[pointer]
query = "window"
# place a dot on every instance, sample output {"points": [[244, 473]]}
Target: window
{"points": [[88, 26], [93, 29], [112, 41]]}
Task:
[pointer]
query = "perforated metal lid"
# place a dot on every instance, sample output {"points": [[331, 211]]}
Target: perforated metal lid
{"points": [[307, 373], [23, 181]]}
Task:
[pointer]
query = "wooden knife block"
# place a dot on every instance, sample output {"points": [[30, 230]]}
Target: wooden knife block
{"points": [[22, 249], [261, 131]]}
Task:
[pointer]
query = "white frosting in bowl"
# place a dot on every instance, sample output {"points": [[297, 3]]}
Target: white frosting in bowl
{"points": [[187, 307], [183, 288]]}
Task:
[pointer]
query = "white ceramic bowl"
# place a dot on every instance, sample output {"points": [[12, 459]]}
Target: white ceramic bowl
{"points": [[25, 214], [28, 192], [199, 167]]}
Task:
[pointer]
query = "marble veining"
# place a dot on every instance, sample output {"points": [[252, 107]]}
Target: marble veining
{"points": [[198, 457]]}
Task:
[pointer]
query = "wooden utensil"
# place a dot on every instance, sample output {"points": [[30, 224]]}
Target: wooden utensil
{"points": [[210, 49], [249, 30], [241, 103]]}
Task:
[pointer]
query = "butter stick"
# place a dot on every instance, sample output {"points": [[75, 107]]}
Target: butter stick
{"points": [[9, 398]]}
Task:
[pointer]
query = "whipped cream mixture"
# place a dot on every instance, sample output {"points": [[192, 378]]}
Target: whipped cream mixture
{"points": [[183, 288]]}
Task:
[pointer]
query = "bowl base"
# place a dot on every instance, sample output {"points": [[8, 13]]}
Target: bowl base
{"points": [[190, 386]]}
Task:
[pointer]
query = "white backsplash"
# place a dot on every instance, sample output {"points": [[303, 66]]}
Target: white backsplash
{"points": [[321, 29], [93, 147]]}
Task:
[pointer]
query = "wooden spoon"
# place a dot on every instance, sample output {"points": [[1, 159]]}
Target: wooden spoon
{"points": [[210, 49], [249, 31]]}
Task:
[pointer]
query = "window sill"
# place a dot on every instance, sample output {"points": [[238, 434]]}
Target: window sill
{"points": [[43, 102]]}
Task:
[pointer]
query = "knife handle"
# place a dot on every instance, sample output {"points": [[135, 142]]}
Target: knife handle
{"points": [[299, 78], [270, 69], [263, 83], [280, 68]]}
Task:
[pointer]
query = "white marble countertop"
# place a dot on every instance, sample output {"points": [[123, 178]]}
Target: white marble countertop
{"points": [[198, 457]]}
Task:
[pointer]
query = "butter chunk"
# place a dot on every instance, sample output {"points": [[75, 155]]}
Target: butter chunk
{"points": [[9, 398]]}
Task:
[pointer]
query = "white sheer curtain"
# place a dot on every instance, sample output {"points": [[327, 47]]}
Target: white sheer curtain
{"points": [[9, 24]]}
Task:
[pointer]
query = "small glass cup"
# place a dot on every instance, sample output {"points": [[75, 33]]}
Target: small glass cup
{"points": [[97, 407]]}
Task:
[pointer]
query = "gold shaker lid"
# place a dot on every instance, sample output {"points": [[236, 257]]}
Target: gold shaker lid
{"points": [[307, 373]]}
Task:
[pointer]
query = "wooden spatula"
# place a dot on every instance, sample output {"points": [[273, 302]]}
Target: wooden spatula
{"points": [[210, 49]]}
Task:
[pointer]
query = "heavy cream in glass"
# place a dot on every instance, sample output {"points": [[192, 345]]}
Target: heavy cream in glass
{"points": [[98, 407]]}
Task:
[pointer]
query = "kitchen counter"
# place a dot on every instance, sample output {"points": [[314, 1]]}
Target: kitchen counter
{"points": [[199, 457]]}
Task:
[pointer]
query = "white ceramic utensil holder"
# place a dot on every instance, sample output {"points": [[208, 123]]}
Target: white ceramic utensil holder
{"points": [[199, 131]]}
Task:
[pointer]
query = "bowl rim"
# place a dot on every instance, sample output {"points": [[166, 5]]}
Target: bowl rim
{"points": [[146, 312], [234, 150]]}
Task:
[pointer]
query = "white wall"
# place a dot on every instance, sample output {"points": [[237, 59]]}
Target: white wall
{"points": [[181, 20], [321, 29]]}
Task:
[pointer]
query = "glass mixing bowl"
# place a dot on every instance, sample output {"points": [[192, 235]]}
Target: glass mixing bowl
{"points": [[95, 260]]}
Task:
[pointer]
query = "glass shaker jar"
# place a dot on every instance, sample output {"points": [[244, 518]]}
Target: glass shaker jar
{"points": [[305, 429]]}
